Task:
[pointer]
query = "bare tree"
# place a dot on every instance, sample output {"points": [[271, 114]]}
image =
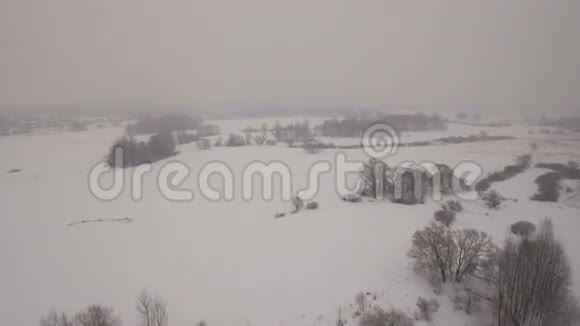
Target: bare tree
{"points": [[97, 315], [159, 312], [433, 250], [55, 319], [374, 175], [152, 310], [379, 317], [473, 247], [144, 303], [361, 301]]}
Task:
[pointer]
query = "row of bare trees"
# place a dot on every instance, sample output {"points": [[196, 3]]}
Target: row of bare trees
{"points": [[94, 315], [152, 311], [532, 280], [527, 281]]}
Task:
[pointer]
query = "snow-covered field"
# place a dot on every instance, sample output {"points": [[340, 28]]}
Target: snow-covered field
{"points": [[233, 263]]}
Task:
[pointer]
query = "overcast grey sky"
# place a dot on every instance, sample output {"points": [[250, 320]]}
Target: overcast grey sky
{"points": [[493, 55]]}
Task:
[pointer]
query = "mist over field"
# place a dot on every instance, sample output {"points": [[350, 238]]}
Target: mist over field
{"points": [[331, 163]]}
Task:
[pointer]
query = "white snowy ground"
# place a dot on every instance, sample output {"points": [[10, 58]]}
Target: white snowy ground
{"points": [[232, 263]]}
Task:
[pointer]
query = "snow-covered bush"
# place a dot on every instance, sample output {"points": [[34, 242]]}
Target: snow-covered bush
{"points": [[493, 199], [445, 217], [259, 140], [235, 140], [271, 142], [467, 300], [203, 144], [523, 228], [379, 317], [312, 205], [453, 205], [351, 197], [313, 146], [426, 308]]}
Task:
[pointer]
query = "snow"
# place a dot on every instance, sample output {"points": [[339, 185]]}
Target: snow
{"points": [[233, 263]]}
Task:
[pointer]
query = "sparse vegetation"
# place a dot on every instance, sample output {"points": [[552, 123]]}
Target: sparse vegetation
{"points": [[549, 183], [453, 206], [312, 205], [445, 217], [203, 144], [426, 308], [379, 317], [235, 140], [493, 199], [523, 228]]}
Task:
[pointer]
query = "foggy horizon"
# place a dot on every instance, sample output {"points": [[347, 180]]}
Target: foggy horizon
{"points": [[389, 55]]}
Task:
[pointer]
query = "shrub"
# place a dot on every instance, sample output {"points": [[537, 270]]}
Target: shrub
{"points": [[270, 142], [77, 126], [453, 205], [427, 308], [467, 300], [523, 228], [259, 139], [203, 144], [548, 187], [445, 217], [235, 140], [312, 205], [493, 199], [186, 138], [161, 146], [219, 142], [351, 197], [313, 146], [379, 317]]}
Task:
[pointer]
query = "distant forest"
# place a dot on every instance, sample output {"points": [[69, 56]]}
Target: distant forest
{"points": [[354, 127]]}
